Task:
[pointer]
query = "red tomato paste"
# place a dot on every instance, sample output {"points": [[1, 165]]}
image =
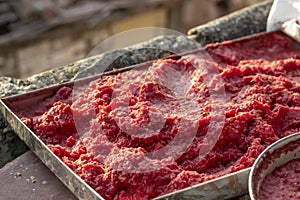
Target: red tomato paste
{"points": [[118, 135], [282, 183]]}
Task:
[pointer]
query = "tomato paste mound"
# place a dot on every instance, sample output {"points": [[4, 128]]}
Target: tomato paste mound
{"points": [[270, 47], [144, 133], [282, 183]]}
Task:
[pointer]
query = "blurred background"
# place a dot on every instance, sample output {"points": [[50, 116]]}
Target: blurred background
{"points": [[36, 35]]}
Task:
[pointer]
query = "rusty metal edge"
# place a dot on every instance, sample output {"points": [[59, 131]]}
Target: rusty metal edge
{"points": [[225, 187]]}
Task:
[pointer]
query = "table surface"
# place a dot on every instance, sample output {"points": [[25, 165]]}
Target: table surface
{"points": [[27, 178]]}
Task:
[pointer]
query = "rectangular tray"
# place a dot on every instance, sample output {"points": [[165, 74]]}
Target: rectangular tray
{"points": [[228, 186]]}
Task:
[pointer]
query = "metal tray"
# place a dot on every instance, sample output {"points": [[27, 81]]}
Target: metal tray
{"points": [[228, 186]]}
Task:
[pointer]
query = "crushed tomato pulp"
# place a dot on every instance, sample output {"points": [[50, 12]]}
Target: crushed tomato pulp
{"points": [[118, 133], [282, 183]]}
